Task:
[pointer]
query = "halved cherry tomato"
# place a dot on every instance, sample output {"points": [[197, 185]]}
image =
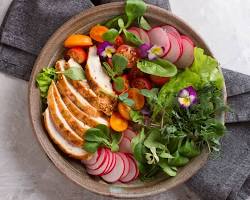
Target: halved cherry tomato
{"points": [[134, 73], [118, 41], [78, 40], [130, 53], [78, 54], [97, 32], [118, 123], [126, 85], [124, 110], [159, 80], [141, 83], [139, 100]]}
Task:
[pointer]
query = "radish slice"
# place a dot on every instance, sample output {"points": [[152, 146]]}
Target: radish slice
{"points": [[132, 171], [115, 174], [187, 56], [103, 167], [100, 160], [132, 30], [144, 36], [160, 38], [175, 50], [137, 170], [92, 160], [126, 164], [111, 164], [188, 39], [125, 145], [172, 30], [129, 134]]}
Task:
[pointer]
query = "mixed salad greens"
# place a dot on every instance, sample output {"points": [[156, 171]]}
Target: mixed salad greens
{"points": [[169, 92]]}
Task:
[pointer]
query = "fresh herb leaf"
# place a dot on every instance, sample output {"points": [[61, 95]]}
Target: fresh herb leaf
{"points": [[132, 38], [121, 25], [178, 160], [143, 23], [110, 35], [100, 136], [137, 146], [124, 98], [166, 168], [109, 71], [75, 73], [119, 84], [166, 155], [157, 68], [113, 23], [120, 63], [44, 79], [136, 117], [154, 139], [134, 9]]}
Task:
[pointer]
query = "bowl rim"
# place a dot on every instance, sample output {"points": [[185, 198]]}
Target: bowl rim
{"points": [[146, 192]]}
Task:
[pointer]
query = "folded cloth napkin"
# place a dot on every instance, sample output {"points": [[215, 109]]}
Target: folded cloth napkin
{"points": [[28, 25]]}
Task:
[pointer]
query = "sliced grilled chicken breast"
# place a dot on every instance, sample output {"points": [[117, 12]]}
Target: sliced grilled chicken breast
{"points": [[78, 126], [64, 145], [60, 123], [66, 89], [89, 120], [99, 81]]}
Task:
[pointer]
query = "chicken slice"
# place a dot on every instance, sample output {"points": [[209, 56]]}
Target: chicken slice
{"points": [[66, 89], [60, 123], [78, 126], [99, 82], [64, 145]]}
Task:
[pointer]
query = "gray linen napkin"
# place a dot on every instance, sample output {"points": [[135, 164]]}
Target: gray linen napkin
{"points": [[28, 25]]}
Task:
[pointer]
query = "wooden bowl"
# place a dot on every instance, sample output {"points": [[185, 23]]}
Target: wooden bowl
{"points": [[52, 51]]}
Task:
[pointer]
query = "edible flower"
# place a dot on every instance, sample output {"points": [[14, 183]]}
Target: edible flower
{"points": [[187, 97], [143, 50], [105, 49], [152, 157], [154, 52]]}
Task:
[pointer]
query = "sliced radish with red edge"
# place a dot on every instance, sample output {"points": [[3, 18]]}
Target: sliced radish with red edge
{"points": [[135, 162], [111, 164], [131, 30], [160, 38], [92, 160], [175, 50], [187, 56], [115, 174], [126, 165], [125, 145], [129, 133], [132, 171], [99, 161]]}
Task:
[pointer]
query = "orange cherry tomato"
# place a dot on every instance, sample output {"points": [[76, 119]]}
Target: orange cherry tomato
{"points": [[139, 100], [141, 83], [97, 32], [126, 85], [77, 53], [159, 80], [130, 53], [118, 41], [78, 40], [124, 110], [118, 123]]}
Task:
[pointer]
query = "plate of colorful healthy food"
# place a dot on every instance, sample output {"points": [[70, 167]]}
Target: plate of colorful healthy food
{"points": [[127, 100]]}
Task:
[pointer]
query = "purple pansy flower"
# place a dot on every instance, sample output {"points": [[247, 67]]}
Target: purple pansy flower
{"points": [[154, 52], [143, 50], [187, 97], [105, 49]]}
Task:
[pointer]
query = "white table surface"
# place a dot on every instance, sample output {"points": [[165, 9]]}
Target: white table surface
{"points": [[26, 172]]}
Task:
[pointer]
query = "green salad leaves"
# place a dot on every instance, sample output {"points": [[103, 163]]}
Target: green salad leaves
{"points": [[100, 136]]}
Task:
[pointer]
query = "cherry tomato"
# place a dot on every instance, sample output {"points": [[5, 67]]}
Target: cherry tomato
{"points": [[134, 73], [126, 85], [159, 80], [141, 83], [119, 41], [77, 53], [130, 53]]}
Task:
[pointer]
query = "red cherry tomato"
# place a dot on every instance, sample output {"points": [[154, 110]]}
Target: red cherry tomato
{"points": [[134, 73], [77, 53], [126, 85], [141, 83], [119, 41], [130, 53], [159, 80]]}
